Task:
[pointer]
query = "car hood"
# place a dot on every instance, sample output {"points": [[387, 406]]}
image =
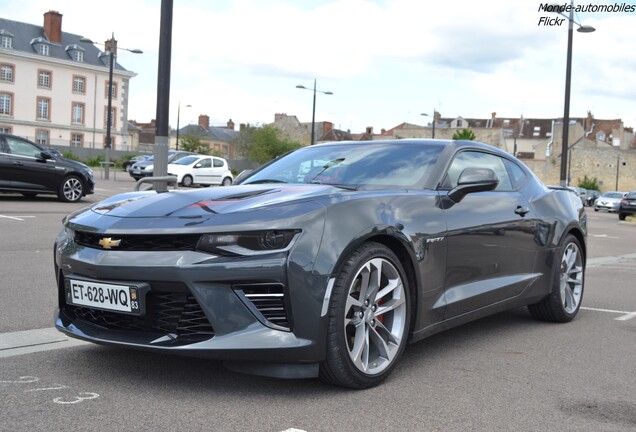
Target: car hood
{"points": [[204, 202]]}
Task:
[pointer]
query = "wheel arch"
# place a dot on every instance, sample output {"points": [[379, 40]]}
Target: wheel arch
{"points": [[403, 250]]}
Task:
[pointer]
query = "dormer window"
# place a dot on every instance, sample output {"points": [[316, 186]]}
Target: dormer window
{"points": [[6, 39], [600, 136], [41, 46], [76, 52]]}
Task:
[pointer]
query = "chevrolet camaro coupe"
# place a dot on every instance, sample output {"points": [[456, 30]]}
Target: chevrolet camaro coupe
{"points": [[325, 262]]}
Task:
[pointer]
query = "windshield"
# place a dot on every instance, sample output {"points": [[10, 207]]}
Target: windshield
{"points": [[613, 195], [186, 160], [354, 165]]}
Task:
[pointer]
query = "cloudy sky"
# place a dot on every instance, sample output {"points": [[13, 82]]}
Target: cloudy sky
{"points": [[386, 61]]}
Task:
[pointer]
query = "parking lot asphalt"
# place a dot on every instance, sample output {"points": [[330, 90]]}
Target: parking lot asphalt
{"points": [[505, 372]]}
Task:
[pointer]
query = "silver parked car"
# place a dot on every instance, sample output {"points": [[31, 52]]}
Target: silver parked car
{"points": [[609, 201]]}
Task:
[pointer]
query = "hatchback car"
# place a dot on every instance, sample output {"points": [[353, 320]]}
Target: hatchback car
{"points": [[127, 164], [609, 201], [31, 169], [627, 206], [325, 262], [201, 170], [145, 168], [592, 196]]}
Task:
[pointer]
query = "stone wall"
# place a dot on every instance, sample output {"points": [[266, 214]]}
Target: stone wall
{"points": [[600, 163]]}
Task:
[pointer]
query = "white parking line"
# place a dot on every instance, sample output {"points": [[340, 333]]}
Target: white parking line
{"points": [[625, 315], [18, 218]]}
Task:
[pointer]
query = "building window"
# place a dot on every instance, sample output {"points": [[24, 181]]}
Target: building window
{"points": [[43, 49], [114, 90], [44, 111], [44, 79], [113, 115], [5, 129], [78, 56], [79, 84], [77, 140], [78, 113], [6, 72], [6, 42], [42, 137], [6, 103], [459, 123]]}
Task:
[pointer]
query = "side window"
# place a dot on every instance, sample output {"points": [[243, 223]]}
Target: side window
{"points": [[517, 176], [205, 163], [23, 148], [473, 159], [218, 163]]}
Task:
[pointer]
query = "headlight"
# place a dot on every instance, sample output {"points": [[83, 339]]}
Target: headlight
{"points": [[247, 243], [149, 167]]}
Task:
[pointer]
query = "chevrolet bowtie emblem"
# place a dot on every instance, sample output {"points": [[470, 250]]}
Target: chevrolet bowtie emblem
{"points": [[109, 243]]}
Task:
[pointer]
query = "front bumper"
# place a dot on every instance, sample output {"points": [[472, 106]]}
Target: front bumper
{"points": [[198, 304]]}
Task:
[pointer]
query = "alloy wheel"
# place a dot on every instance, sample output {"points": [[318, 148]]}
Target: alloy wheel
{"points": [[375, 316], [571, 281]]}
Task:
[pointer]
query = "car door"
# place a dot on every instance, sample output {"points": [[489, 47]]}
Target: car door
{"points": [[28, 170], [5, 165], [202, 171], [490, 238]]}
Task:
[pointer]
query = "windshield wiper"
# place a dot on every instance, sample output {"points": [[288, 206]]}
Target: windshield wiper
{"points": [[338, 185]]}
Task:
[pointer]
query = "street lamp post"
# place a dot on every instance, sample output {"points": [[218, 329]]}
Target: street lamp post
{"points": [[568, 80], [434, 114], [111, 48], [313, 112], [178, 115]]}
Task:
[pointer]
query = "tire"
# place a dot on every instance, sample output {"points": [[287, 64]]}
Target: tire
{"points": [[564, 301], [186, 181], [366, 337], [71, 189], [621, 216], [226, 182]]}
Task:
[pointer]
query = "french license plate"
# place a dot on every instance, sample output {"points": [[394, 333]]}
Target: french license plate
{"points": [[136, 171], [120, 298]]}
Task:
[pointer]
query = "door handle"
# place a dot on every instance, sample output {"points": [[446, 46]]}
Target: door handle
{"points": [[18, 163], [522, 211]]}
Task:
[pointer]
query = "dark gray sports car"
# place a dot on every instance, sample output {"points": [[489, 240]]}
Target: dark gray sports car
{"points": [[326, 261]]}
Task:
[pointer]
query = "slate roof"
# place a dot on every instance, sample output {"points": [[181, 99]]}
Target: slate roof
{"points": [[214, 133], [24, 34]]}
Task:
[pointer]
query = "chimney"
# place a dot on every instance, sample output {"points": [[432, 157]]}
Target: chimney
{"points": [[326, 127], [204, 122], [53, 26], [230, 124], [370, 130]]}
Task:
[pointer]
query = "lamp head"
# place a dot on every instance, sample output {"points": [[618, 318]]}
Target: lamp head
{"points": [[585, 29]]}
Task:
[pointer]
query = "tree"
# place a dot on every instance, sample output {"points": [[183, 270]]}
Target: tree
{"points": [[193, 144], [464, 134], [261, 144]]}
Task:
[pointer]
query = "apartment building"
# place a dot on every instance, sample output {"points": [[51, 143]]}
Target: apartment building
{"points": [[54, 88]]}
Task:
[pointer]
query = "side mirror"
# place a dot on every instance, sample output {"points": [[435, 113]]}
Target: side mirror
{"points": [[242, 176], [473, 180], [45, 155]]}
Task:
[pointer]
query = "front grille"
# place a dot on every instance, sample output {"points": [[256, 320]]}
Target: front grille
{"points": [[267, 300], [140, 242], [177, 313]]}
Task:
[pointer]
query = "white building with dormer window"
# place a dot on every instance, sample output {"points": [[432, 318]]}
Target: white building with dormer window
{"points": [[54, 88]]}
